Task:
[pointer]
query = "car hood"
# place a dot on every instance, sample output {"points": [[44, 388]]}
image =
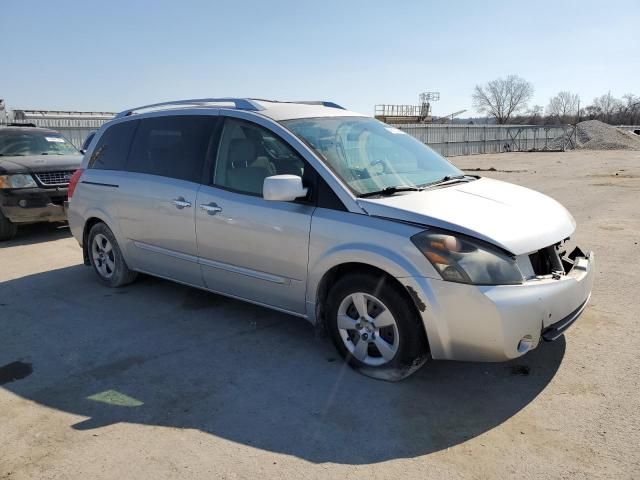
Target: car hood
{"points": [[515, 218], [39, 163]]}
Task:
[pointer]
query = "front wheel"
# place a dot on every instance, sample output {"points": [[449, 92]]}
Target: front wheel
{"points": [[106, 258], [375, 327], [7, 229]]}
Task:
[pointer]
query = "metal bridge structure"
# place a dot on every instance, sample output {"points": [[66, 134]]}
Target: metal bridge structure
{"points": [[400, 114]]}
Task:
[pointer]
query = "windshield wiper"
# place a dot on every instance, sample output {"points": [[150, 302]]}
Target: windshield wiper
{"points": [[446, 179], [390, 191]]}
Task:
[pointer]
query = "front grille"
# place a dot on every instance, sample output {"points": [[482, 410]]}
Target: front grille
{"points": [[55, 178]]}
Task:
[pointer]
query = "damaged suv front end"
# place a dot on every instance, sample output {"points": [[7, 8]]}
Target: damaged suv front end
{"points": [[36, 166]]}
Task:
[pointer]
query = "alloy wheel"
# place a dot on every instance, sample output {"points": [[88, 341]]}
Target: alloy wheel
{"points": [[103, 256], [368, 329]]}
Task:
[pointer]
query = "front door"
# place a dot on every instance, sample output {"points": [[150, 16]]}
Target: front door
{"points": [[249, 247]]}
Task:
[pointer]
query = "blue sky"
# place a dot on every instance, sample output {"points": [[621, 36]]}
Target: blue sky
{"points": [[109, 55]]}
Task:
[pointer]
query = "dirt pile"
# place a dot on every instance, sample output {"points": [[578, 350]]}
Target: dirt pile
{"points": [[596, 135]]}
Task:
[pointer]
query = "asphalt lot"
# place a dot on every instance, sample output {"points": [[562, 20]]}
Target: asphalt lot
{"points": [[157, 380]]}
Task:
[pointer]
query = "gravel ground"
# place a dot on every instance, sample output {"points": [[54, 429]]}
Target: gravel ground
{"points": [[161, 381]]}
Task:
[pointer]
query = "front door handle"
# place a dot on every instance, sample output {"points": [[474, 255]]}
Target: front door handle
{"points": [[181, 203], [210, 208]]}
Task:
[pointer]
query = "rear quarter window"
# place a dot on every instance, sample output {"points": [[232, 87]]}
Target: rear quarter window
{"points": [[113, 147]]}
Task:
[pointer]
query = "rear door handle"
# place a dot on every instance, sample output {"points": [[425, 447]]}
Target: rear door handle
{"points": [[210, 208], [181, 203]]}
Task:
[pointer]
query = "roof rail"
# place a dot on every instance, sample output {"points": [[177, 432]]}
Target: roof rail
{"points": [[239, 103], [324, 103]]}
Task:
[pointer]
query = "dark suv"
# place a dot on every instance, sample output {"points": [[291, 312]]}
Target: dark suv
{"points": [[36, 165]]}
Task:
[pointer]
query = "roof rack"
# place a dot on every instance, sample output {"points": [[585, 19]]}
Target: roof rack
{"points": [[324, 103], [239, 103]]}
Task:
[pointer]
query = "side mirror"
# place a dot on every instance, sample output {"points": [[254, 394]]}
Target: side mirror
{"points": [[283, 188]]}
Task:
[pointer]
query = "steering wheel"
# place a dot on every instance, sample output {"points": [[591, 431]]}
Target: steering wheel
{"points": [[385, 165]]}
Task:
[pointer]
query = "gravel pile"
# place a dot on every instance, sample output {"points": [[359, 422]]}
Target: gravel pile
{"points": [[596, 135]]}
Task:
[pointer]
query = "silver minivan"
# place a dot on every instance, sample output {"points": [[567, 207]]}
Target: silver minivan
{"points": [[335, 217]]}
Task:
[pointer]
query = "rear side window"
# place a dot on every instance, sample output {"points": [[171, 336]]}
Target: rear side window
{"points": [[173, 146], [112, 148]]}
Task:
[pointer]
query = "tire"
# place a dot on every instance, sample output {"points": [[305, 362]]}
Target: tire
{"points": [[7, 229], [395, 347], [106, 257]]}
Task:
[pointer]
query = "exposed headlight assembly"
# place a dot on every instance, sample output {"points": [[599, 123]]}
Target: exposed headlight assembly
{"points": [[17, 181], [462, 259]]}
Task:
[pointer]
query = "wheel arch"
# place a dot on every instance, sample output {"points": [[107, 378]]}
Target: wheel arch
{"points": [[92, 219], [352, 268]]}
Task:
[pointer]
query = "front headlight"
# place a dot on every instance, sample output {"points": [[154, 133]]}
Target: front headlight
{"points": [[462, 259], [17, 181]]}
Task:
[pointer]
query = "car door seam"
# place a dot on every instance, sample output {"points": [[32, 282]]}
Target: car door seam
{"points": [[306, 283]]}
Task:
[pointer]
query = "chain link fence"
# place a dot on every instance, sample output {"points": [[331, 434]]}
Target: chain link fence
{"points": [[452, 140]]}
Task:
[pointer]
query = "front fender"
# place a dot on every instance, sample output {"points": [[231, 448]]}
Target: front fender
{"points": [[339, 238], [384, 259]]}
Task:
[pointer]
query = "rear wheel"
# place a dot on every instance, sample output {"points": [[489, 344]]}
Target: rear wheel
{"points": [[7, 229], [374, 326], [106, 258]]}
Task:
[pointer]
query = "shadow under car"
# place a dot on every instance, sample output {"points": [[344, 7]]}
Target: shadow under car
{"points": [[158, 353]]}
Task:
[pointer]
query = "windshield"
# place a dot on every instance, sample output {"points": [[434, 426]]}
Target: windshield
{"points": [[371, 156], [34, 143]]}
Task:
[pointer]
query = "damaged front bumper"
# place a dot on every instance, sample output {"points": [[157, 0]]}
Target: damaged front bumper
{"points": [[554, 331], [32, 205], [498, 323]]}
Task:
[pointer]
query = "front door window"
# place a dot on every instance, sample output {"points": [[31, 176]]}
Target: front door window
{"points": [[248, 154]]}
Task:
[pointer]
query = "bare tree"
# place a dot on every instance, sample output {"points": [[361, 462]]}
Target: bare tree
{"points": [[630, 111], [591, 112], [607, 104], [534, 114], [502, 97], [563, 106]]}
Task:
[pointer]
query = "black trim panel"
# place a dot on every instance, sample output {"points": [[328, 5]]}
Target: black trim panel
{"points": [[555, 330], [100, 184]]}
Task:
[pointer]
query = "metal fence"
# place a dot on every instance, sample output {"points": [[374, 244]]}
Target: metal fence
{"points": [[75, 126], [630, 128], [452, 140]]}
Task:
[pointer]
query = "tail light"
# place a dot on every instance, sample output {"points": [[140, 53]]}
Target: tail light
{"points": [[75, 178]]}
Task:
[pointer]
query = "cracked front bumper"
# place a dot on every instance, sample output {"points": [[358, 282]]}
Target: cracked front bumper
{"points": [[32, 205], [487, 323]]}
